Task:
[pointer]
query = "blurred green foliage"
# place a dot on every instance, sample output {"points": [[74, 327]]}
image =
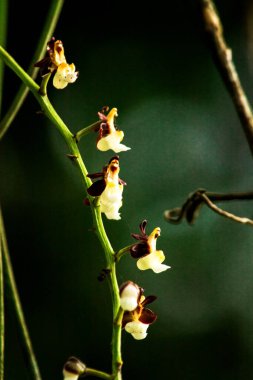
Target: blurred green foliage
{"points": [[153, 65]]}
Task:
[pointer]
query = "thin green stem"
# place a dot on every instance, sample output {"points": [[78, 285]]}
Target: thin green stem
{"points": [[3, 32], [48, 30], [86, 130], [2, 317], [11, 284], [70, 140], [100, 374], [118, 255]]}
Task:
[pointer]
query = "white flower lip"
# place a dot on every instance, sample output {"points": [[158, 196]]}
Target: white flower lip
{"points": [[112, 141], [137, 329], [153, 261]]}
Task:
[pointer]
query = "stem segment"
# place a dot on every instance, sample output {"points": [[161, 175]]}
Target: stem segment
{"points": [[223, 58], [11, 284]]}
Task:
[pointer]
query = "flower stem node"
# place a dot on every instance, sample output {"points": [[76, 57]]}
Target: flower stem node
{"points": [[109, 189], [73, 368], [55, 62], [108, 136], [145, 250]]}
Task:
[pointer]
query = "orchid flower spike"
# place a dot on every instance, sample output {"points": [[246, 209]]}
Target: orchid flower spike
{"points": [[137, 320], [145, 250], [108, 136], [109, 189], [55, 62]]}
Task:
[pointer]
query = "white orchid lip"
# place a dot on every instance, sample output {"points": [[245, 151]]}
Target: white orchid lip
{"points": [[153, 261], [109, 137], [137, 329], [64, 75]]}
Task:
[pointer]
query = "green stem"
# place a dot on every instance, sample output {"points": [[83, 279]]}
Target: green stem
{"points": [[118, 255], [3, 29], [48, 30], [95, 372], [11, 284], [2, 317], [86, 130], [70, 140]]}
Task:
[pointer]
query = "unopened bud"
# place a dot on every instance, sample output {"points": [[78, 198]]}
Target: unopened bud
{"points": [[73, 368], [129, 296]]}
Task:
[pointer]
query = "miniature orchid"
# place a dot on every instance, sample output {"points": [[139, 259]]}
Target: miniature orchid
{"points": [[109, 137], [73, 368], [109, 189], [145, 250], [55, 61], [137, 321]]}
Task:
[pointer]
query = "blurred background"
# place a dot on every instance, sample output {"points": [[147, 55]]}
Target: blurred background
{"points": [[151, 61]]}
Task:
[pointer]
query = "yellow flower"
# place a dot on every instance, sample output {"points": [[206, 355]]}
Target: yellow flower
{"points": [[55, 62], [109, 189], [109, 137], [145, 250], [137, 320]]}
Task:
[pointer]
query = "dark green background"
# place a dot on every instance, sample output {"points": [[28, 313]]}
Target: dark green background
{"points": [[153, 64]]}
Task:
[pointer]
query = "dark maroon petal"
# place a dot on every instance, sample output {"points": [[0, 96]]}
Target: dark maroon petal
{"points": [[139, 237], [97, 188], [143, 227], [95, 175], [148, 299], [139, 250], [113, 158], [147, 316], [102, 116]]}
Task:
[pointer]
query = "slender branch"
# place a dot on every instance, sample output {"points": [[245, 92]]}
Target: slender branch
{"points": [[3, 30], [95, 372], [225, 213], [190, 209], [122, 252], [11, 284], [2, 314], [70, 140], [86, 130], [223, 57], [48, 30]]}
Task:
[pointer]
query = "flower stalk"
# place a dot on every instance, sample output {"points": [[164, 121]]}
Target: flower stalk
{"points": [[85, 131], [14, 296], [70, 141]]}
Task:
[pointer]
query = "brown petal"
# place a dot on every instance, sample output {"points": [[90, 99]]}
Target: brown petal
{"points": [[147, 316], [140, 250], [97, 188], [148, 299]]}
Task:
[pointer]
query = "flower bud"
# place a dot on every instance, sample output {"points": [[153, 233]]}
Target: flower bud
{"points": [[129, 295], [73, 368]]}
